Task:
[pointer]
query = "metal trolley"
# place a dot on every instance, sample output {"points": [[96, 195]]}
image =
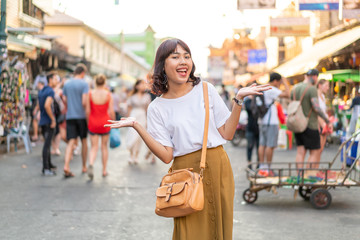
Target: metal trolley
{"points": [[311, 183]]}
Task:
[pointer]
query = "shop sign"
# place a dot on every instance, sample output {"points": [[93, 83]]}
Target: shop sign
{"points": [[351, 9], [295, 26], [256, 4], [257, 56], [322, 5]]}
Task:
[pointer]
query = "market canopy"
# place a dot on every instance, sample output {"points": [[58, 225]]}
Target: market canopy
{"points": [[343, 75], [321, 49]]}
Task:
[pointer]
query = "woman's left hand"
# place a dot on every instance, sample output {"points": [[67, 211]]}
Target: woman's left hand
{"points": [[254, 89]]}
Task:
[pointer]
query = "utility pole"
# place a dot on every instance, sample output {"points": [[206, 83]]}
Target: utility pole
{"points": [[3, 35]]}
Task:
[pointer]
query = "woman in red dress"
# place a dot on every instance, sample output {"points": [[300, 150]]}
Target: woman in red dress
{"points": [[99, 110]]}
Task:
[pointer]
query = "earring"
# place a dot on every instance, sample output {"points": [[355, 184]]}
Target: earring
{"points": [[165, 79]]}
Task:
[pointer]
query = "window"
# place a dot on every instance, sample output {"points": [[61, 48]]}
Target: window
{"points": [[31, 10]]}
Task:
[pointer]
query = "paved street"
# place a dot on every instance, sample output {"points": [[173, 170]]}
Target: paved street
{"points": [[121, 206]]}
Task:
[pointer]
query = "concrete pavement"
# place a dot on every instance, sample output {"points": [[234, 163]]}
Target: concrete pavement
{"points": [[121, 206]]}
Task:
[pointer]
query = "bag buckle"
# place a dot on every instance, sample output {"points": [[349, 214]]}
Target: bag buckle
{"points": [[201, 172], [168, 192]]}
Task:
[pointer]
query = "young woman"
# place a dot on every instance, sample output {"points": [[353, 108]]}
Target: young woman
{"points": [[137, 104], [175, 131], [99, 110], [322, 88]]}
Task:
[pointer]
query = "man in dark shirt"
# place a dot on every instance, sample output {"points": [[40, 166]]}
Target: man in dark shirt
{"points": [[47, 121]]}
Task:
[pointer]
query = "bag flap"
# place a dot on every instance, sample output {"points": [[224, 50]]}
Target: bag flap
{"points": [[172, 189], [293, 107]]}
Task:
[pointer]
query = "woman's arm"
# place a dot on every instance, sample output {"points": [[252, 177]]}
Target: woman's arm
{"points": [[227, 131], [87, 106], [111, 108], [164, 153]]}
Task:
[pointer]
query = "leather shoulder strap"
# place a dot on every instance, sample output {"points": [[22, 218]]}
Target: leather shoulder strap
{"points": [[206, 127]]}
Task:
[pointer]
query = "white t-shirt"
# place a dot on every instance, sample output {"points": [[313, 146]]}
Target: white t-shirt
{"points": [[179, 123], [272, 113]]}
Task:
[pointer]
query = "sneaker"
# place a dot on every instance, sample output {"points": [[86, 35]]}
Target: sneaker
{"points": [[77, 151], [272, 173], [48, 172], [90, 172], [263, 173]]}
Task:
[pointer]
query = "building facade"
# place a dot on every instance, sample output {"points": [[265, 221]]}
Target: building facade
{"points": [[92, 46]]}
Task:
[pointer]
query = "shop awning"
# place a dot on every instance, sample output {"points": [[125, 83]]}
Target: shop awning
{"points": [[343, 75], [321, 49]]}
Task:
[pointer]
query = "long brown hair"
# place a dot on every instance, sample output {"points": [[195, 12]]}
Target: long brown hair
{"points": [[135, 90], [157, 78]]}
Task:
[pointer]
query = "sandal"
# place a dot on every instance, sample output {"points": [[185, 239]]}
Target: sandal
{"points": [[105, 174], [68, 174]]}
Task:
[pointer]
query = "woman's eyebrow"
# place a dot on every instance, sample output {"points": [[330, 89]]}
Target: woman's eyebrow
{"points": [[180, 53]]}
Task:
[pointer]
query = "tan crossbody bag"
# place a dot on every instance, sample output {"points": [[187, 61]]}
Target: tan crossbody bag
{"points": [[181, 191]]}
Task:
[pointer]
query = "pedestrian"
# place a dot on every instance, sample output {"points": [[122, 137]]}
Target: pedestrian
{"points": [[59, 110], [355, 112], [137, 103], [76, 98], [322, 89], [175, 131], [310, 138], [116, 102], [269, 124], [252, 132], [47, 122], [225, 95], [99, 109], [39, 83]]}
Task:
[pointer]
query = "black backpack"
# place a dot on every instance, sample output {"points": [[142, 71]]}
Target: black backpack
{"points": [[258, 106]]}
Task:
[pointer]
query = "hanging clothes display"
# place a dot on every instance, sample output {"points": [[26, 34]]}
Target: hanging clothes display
{"points": [[13, 79]]}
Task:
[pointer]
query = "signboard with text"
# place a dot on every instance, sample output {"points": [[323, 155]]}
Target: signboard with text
{"points": [[351, 9], [257, 56], [293, 26], [256, 4], [322, 5]]}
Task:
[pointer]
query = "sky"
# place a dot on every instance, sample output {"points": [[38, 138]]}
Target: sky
{"points": [[199, 23]]}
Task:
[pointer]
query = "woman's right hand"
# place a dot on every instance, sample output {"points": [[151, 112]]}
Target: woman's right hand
{"points": [[124, 122]]}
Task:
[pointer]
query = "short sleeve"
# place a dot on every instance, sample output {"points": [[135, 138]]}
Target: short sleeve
{"points": [[156, 128], [313, 92], [52, 94], [221, 111], [65, 91], [86, 89]]}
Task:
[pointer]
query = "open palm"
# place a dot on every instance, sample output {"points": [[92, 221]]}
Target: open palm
{"points": [[254, 89]]}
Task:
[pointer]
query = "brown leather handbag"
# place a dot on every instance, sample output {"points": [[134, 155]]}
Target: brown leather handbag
{"points": [[181, 191]]}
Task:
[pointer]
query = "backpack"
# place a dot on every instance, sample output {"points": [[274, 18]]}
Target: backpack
{"points": [[297, 121], [258, 106]]}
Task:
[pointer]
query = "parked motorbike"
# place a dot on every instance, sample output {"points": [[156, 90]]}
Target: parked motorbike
{"points": [[239, 134]]}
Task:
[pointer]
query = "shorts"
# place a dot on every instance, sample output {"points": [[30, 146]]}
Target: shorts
{"points": [[76, 128], [99, 134], [268, 135], [310, 139]]}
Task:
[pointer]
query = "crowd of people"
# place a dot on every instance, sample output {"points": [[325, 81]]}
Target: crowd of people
{"points": [[262, 130], [71, 109]]}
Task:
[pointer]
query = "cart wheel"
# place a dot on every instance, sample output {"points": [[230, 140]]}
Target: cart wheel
{"points": [[320, 198], [249, 196], [305, 193]]}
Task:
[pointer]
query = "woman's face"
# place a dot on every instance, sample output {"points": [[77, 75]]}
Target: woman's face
{"points": [[324, 88], [141, 86], [178, 66]]}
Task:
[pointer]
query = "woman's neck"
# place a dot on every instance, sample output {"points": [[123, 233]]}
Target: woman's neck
{"points": [[178, 90]]}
